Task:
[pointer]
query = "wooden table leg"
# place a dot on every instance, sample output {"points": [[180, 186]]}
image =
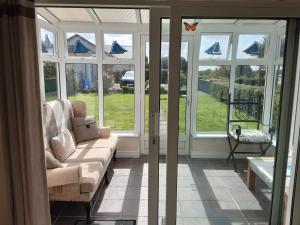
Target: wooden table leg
{"points": [[250, 178]]}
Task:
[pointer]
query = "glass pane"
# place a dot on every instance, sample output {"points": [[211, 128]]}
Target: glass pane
{"points": [[282, 45], [82, 84], [118, 46], [183, 86], [164, 86], [215, 46], [51, 80], [249, 86], [81, 44], [118, 102], [276, 98], [116, 15], [48, 42], [251, 46], [213, 88], [71, 14]]}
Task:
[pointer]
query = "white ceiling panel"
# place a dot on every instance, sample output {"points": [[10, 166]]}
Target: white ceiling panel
{"points": [[116, 15], [145, 15], [71, 14]]}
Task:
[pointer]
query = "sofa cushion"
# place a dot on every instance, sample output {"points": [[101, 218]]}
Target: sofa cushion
{"points": [[85, 128], [63, 145], [90, 155], [56, 117], [51, 161], [110, 142], [66, 175], [79, 108]]}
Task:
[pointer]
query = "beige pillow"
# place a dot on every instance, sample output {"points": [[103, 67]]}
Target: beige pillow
{"points": [[52, 162], [85, 128], [63, 145]]}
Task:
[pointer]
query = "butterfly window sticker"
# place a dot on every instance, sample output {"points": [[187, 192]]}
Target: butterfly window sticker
{"points": [[190, 26]]}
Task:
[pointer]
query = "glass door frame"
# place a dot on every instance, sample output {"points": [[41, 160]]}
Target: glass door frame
{"points": [[183, 137], [290, 64], [156, 15]]}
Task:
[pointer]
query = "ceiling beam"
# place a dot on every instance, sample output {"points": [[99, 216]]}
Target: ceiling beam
{"points": [[138, 16], [93, 15]]}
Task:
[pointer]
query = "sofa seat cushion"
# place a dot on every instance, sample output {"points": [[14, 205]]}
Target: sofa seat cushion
{"points": [[91, 173], [90, 155], [110, 142]]}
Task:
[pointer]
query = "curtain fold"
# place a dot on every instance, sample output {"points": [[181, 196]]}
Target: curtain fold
{"points": [[21, 138]]}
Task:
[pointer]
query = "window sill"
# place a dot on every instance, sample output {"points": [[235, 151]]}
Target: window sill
{"points": [[209, 135], [126, 134]]}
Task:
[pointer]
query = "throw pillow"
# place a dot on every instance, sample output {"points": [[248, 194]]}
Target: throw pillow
{"points": [[85, 128], [52, 162], [63, 145]]}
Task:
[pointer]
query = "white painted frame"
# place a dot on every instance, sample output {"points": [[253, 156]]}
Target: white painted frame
{"points": [[185, 138], [285, 122], [48, 58], [234, 31]]}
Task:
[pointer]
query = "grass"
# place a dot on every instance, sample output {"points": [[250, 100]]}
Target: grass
{"points": [[119, 111]]}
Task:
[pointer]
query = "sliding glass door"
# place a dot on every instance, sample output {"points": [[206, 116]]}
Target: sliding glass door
{"points": [[234, 60]]}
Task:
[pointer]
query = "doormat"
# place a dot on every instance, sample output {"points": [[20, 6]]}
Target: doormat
{"points": [[106, 222]]}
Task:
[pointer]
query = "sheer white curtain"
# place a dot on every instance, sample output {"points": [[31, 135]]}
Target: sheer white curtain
{"points": [[23, 189]]}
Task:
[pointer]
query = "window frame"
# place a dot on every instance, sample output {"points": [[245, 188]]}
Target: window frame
{"points": [[268, 61], [229, 46], [118, 61], [48, 58]]}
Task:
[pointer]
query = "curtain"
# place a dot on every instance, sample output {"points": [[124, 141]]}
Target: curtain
{"points": [[24, 196]]}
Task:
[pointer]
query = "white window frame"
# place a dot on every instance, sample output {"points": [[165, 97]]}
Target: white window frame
{"points": [[48, 58], [99, 60], [233, 61]]}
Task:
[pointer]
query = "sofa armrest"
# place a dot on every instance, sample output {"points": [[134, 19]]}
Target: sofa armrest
{"points": [[105, 132], [63, 176]]}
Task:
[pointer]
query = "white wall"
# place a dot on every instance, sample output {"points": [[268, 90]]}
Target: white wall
{"points": [[218, 147]]}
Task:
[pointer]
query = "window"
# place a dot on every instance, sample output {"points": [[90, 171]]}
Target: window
{"points": [[118, 46], [82, 84], [215, 46], [51, 81], [276, 97], [250, 85], [251, 46], [212, 93], [118, 100], [48, 42], [81, 44]]}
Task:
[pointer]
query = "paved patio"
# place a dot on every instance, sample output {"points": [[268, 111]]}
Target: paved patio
{"points": [[209, 193]]}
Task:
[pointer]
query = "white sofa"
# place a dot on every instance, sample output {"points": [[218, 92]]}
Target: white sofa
{"points": [[81, 173]]}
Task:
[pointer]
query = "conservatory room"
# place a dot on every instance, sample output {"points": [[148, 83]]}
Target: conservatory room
{"points": [[95, 73]]}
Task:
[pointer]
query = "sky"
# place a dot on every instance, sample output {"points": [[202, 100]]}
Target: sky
{"points": [[89, 36]]}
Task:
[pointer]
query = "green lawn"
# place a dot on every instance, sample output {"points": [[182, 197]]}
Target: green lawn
{"points": [[119, 111]]}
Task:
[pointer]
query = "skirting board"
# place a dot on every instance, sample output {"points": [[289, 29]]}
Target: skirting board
{"points": [[128, 154]]}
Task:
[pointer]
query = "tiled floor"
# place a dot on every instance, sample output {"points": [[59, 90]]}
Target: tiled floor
{"points": [[209, 193]]}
